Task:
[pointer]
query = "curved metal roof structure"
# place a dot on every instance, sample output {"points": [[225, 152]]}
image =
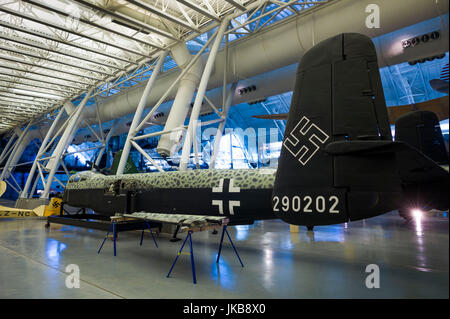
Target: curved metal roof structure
{"points": [[52, 52]]}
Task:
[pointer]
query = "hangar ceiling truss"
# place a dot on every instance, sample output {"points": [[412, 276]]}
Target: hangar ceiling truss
{"points": [[55, 51]]}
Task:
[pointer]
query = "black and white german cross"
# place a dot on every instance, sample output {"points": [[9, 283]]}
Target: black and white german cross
{"points": [[226, 194]]}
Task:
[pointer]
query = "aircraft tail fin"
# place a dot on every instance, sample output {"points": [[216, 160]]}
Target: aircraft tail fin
{"points": [[53, 208], [130, 167], [425, 182], [334, 164], [421, 129]]}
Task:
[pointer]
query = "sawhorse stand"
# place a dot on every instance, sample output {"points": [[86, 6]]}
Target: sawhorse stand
{"points": [[189, 236], [232, 244], [191, 253], [113, 227], [151, 232]]}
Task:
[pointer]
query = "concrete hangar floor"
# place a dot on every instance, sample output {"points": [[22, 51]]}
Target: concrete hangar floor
{"points": [[413, 261]]}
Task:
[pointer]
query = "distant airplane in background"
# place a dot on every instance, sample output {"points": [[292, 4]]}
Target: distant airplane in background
{"points": [[441, 84], [43, 210], [438, 106]]}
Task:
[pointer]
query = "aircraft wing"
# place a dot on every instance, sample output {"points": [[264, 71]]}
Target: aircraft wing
{"points": [[2, 188], [180, 219], [40, 211], [438, 106], [8, 212]]}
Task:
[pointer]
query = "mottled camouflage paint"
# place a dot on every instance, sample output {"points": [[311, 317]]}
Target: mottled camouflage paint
{"points": [[186, 220], [243, 178]]}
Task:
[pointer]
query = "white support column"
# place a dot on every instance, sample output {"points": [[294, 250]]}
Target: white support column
{"points": [[24, 193], [218, 137], [183, 98], [73, 122], [33, 189], [108, 137], [7, 147], [148, 157], [65, 140], [17, 151], [200, 94], [138, 114], [169, 89], [38, 177]]}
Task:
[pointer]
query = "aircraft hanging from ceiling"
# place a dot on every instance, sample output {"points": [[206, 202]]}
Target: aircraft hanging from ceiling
{"points": [[438, 106], [441, 84]]}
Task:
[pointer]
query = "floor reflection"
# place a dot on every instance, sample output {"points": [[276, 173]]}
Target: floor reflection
{"points": [[241, 232], [53, 251], [221, 271], [268, 268]]}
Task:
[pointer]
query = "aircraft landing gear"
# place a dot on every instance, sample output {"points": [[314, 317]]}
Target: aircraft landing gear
{"points": [[174, 237], [310, 228]]}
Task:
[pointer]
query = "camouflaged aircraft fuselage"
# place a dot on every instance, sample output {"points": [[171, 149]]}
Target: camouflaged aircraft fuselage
{"points": [[244, 195]]}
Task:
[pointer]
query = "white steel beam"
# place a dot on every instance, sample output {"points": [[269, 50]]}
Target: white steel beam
{"points": [[6, 169], [45, 75], [40, 152], [57, 27], [236, 5], [126, 20], [44, 47], [221, 127], [71, 43], [35, 65], [146, 6], [148, 157], [182, 101], [138, 114], [55, 61], [200, 95], [92, 24], [66, 138], [199, 9], [21, 74], [169, 89], [107, 138], [16, 86], [7, 148]]}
